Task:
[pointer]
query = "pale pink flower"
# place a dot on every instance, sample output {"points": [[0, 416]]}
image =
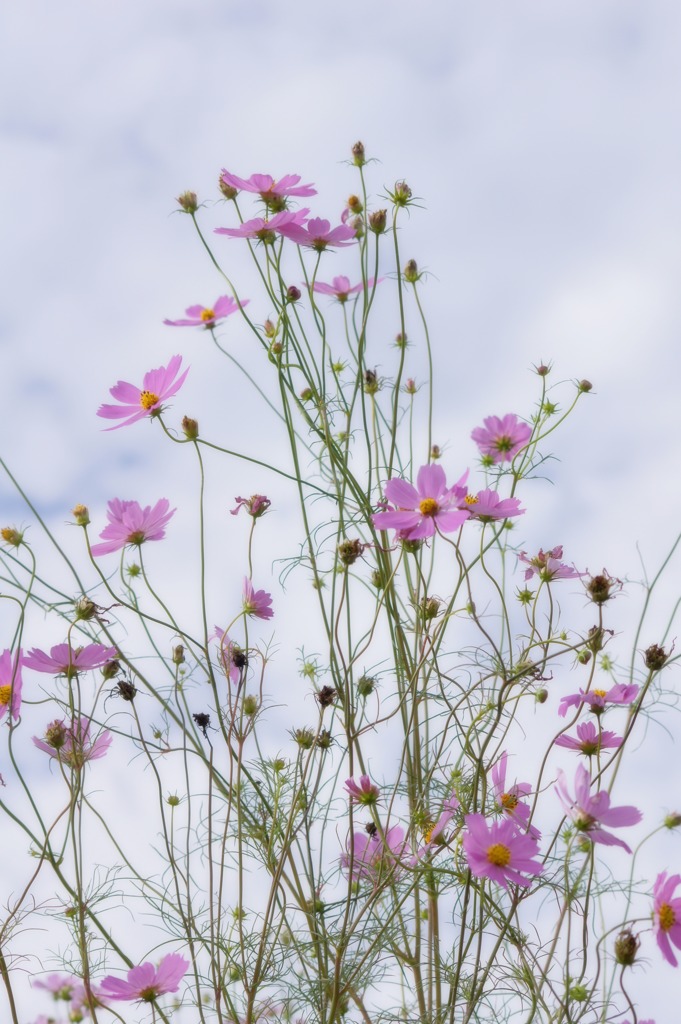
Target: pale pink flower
{"points": [[497, 850], [265, 230], [375, 855], [508, 798], [71, 744], [64, 660], [208, 316], [129, 523], [61, 986], [362, 792], [232, 657], [589, 740], [547, 566], [136, 403], [340, 287], [147, 982], [423, 509], [589, 812], [10, 682], [318, 234], [487, 506], [667, 915], [620, 693], [257, 603], [256, 505], [273, 193], [501, 439]]}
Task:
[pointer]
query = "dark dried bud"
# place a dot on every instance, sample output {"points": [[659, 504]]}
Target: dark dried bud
{"points": [[378, 220], [350, 550], [366, 685], [324, 740], [304, 738], [239, 657], [411, 272], [358, 157], [371, 382], [126, 690], [292, 293], [326, 696], [188, 202], [190, 428], [202, 719], [435, 451], [250, 705], [626, 948], [110, 669], [178, 655], [655, 657], [584, 386], [371, 828], [600, 587]]}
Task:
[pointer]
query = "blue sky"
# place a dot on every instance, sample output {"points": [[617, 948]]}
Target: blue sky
{"points": [[543, 139]]}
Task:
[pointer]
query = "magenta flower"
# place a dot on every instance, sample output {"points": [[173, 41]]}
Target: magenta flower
{"points": [[61, 986], [147, 982], [589, 740], [501, 439], [64, 660], [588, 812], [667, 916], [273, 193], [488, 506], [340, 287], [71, 744], [364, 792], [256, 505], [497, 850], [508, 798], [129, 523], [423, 509], [232, 657], [208, 316], [257, 603], [547, 566], [10, 683], [263, 230], [318, 234], [136, 403], [620, 693], [375, 855]]}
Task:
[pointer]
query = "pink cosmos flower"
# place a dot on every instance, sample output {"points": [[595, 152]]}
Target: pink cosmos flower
{"points": [[129, 523], [147, 982], [71, 744], [365, 792], [60, 986], [64, 660], [620, 693], [208, 316], [256, 505], [508, 798], [318, 234], [589, 812], [501, 439], [273, 193], [547, 566], [488, 506], [375, 855], [423, 509], [667, 916], [256, 603], [340, 287], [589, 740], [232, 657], [136, 403], [263, 230], [10, 683], [497, 850]]}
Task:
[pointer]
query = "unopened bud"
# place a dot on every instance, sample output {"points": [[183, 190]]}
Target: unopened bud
{"points": [[85, 609], [350, 550], [366, 685], [672, 820], [371, 382], [378, 220], [178, 655], [411, 272], [292, 293], [81, 514], [11, 536], [626, 948], [173, 800], [584, 656], [269, 329], [357, 225], [358, 157], [412, 547], [429, 608], [355, 204], [401, 194], [304, 738], [111, 668], [541, 696], [435, 451], [190, 428], [401, 340], [584, 386], [410, 386], [188, 202], [250, 705], [377, 579]]}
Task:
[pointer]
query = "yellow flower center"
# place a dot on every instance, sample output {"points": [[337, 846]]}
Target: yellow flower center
{"points": [[666, 917], [471, 499], [207, 314], [508, 801], [599, 693], [428, 829], [5, 694], [499, 855], [428, 507], [148, 399]]}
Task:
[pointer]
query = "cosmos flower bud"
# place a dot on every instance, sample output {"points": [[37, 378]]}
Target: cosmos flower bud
{"points": [[190, 428], [429, 608], [401, 194], [377, 221], [435, 451], [178, 654], [250, 705], [173, 800], [110, 668], [304, 738], [85, 609], [543, 370], [355, 204], [11, 536], [357, 225], [292, 293], [584, 657], [81, 514], [371, 382], [366, 685], [655, 657], [541, 696], [672, 820], [324, 740], [411, 272], [584, 386], [600, 587], [350, 550], [306, 395], [269, 328], [188, 202], [626, 948], [410, 386], [358, 157]]}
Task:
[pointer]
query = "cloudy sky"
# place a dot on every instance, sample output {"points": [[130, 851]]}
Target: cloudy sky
{"points": [[542, 137]]}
